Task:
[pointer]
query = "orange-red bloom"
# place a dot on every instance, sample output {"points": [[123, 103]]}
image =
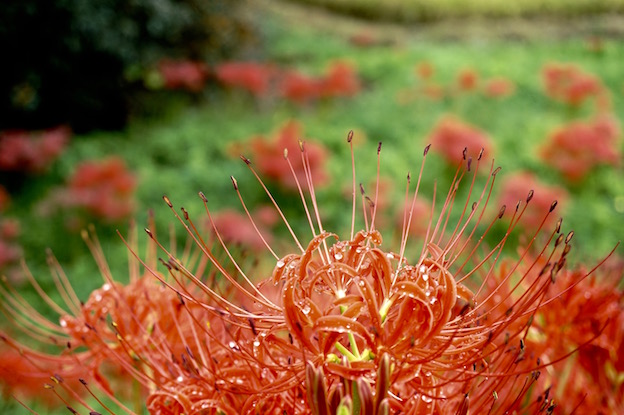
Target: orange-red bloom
{"points": [[102, 189], [571, 85], [32, 152], [451, 136], [499, 88], [438, 324], [187, 75], [515, 189], [269, 156], [577, 148]]}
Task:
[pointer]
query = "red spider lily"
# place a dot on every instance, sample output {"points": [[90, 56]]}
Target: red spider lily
{"points": [[299, 88], [235, 229], [578, 147], [187, 75], [451, 135], [596, 379], [586, 315], [270, 156], [31, 152], [467, 80], [420, 211], [425, 70], [499, 88], [102, 189], [435, 328], [341, 80], [571, 85], [253, 77], [516, 186]]}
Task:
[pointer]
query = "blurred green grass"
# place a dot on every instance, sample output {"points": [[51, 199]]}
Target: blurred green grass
{"points": [[179, 147], [430, 10]]}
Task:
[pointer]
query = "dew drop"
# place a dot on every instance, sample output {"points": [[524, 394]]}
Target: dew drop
{"points": [[280, 264], [425, 277], [233, 345], [426, 399], [306, 309], [338, 256]]}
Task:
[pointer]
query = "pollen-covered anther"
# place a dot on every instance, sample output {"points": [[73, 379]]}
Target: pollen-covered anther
{"points": [[167, 201]]}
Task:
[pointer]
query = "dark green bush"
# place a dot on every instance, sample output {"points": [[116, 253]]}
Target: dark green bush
{"points": [[72, 61]]}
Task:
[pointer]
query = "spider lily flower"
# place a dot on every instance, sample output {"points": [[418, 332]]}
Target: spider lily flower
{"points": [[343, 324]]}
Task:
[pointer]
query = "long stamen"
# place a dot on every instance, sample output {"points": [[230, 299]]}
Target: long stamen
{"points": [[279, 211]]}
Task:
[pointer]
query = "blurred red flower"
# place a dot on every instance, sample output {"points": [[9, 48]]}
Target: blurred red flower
{"points": [[341, 80], [299, 88], [103, 189], [569, 84], [420, 217], [424, 70], [467, 80], [499, 88], [183, 74], [32, 152], [451, 136], [516, 188], [269, 156], [577, 148], [253, 77], [237, 230]]}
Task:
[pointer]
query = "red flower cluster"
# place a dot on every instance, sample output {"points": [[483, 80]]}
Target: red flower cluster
{"points": [[236, 230], [514, 189], [571, 85], [577, 148], [186, 75], [457, 140], [591, 313], [253, 77], [499, 88], [325, 332], [584, 313], [32, 152], [269, 156], [466, 81], [102, 189], [341, 80]]}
